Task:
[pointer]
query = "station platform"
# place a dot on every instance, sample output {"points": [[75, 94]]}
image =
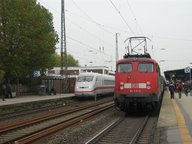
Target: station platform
{"points": [[33, 102], [175, 120], [33, 98]]}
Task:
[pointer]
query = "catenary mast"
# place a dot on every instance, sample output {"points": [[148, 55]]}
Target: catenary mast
{"points": [[63, 42]]}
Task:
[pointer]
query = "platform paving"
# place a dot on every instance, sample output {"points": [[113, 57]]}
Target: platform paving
{"points": [[32, 98], [174, 123]]}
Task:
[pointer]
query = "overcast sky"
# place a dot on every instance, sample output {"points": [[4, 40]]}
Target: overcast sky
{"points": [[91, 26]]}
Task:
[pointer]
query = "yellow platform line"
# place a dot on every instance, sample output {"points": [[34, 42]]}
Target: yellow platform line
{"points": [[184, 133]]}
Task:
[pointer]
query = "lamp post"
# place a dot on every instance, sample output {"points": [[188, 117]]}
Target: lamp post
{"points": [[190, 79], [92, 56], [91, 63], [161, 61]]}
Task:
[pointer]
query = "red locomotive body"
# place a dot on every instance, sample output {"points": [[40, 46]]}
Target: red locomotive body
{"points": [[138, 81]]}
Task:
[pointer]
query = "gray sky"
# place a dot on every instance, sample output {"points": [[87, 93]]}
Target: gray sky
{"points": [[91, 25]]}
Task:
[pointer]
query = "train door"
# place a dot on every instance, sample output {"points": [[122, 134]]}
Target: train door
{"points": [[102, 85], [98, 85]]}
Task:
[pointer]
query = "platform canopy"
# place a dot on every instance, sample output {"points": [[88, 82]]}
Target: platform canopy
{"points": [[53, 77]]}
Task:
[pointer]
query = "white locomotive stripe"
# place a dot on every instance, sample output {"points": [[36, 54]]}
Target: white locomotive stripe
{"points": [[135, 85], [127, 85], [142, 85]]}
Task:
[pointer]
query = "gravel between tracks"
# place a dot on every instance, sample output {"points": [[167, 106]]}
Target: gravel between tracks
{"points": [[82, 132]]}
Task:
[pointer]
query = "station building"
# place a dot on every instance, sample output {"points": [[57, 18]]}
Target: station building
{"points": [[66, 83]]}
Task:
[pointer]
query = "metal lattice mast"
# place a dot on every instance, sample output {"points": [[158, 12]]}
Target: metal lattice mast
{"points": [[63, 41], [62, 37]]}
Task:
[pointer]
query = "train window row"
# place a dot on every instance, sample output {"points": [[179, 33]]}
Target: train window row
{"points": [[122, 68], [142, 67], [145, 67], [108, 82], [85, 78]]}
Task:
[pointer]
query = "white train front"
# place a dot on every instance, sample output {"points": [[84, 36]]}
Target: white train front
{"points": [[94, 84]]}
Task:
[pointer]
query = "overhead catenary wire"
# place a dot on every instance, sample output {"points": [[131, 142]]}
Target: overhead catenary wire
{"points": [[91, 19], [129, 5], [95, 56], [118, 11], [171, 38], [104, 28], [84, 29], [84, 44]]}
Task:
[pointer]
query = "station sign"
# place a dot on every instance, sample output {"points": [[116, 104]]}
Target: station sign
{"points": [[187, 70], [36, 74]]}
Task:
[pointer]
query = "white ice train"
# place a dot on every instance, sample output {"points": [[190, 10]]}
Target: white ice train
{"points": [[89, 84]]}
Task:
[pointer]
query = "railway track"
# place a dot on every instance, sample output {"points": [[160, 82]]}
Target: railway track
{"points": [[34, 129], [130, 130]]}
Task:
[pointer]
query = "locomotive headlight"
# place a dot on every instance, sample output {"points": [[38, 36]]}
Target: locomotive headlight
{"points": [[121, 87], [121, 83], [148, 87], [148, 83]]}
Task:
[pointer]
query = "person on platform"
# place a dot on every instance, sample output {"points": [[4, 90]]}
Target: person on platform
{"points": [[186, 88], [180, 88], [172, 90], [53, 91], [9, 91], [4, 92]]}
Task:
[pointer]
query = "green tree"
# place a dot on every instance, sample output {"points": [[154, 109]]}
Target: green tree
{"points": [[27, 38], [70, 60]]}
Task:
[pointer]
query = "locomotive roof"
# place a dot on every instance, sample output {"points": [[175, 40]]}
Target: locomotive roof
{"points": [[94, 74], [136, 59]]}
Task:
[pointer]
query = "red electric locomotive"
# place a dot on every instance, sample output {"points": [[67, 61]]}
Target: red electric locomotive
{"points": [[138, 81]]}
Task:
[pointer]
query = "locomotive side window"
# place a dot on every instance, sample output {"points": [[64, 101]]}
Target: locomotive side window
{"points": [[108, 82], [124, 68], [145, 67], [158, 69]]}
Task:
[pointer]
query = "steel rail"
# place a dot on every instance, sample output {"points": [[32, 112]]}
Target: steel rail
{"points": [[103, 132], [41, 118], [52, 129], [139, 131], [115, 124]]}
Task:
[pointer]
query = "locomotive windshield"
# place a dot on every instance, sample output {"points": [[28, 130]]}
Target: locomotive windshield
{"points": [[85, 79], [122, 68], [145, 67]]}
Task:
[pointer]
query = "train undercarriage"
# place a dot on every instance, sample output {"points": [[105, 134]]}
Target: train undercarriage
{"points": [[125, 103]]}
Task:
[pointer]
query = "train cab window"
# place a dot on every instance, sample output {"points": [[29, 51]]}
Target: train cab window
{"points": [[157, 68], [85, 79], [145, 67], [122, 68]]}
